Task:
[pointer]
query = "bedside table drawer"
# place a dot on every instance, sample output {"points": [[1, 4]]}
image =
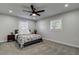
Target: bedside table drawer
{"points": [[11, 38]]}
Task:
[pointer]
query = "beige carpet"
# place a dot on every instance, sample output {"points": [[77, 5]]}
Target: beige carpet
{"points": [[43, 48]]}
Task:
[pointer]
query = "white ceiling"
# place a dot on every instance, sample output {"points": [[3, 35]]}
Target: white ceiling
{"points": [[50, 9]]}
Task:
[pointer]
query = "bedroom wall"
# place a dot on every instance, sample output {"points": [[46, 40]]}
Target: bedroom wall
{"points": [[69, 34], [9, 23], [27, 25]]}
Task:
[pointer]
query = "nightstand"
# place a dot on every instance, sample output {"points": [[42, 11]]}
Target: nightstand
{"points": [[10, 38]]}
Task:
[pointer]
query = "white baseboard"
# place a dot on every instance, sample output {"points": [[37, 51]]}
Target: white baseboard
{"points": [[2, 41], [68, 44]]}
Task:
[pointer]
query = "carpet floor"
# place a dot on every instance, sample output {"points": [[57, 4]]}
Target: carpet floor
{"points": [[43, 48]]}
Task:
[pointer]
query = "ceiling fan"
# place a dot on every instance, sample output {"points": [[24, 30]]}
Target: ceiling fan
{"points": [[34, 11]]}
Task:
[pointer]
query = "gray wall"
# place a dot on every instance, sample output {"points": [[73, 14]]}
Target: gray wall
{"points": [[31, 25], [9, 23], [69, 34]]}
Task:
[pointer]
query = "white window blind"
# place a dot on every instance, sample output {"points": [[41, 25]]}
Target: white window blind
{"points": [[56, 24]]}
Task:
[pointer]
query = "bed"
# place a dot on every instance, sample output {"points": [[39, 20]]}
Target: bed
{"points": [[27, 39]]}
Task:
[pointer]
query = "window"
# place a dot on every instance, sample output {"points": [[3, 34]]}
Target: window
{"points": [[55, 24]]}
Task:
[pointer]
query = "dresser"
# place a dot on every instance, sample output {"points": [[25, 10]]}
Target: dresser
{"points": [[10, 38]]}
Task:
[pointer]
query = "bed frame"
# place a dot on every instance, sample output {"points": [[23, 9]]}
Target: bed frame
{"points": [[31, 42]]}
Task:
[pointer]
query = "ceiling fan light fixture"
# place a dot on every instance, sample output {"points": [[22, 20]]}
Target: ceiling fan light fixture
{"points": [[33, 14]]}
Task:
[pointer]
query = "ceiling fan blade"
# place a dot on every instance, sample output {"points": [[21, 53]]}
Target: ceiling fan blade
{"points": [[32, 7], [40, 11], [30, 14], [37, 14], [26, 11]]}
